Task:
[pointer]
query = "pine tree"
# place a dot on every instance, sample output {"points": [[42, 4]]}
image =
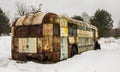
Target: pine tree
{"points": [[103, 21], [4, 23]]}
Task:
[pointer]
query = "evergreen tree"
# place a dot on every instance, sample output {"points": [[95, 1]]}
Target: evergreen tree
{"points": [[4, 23], [103, 21], [77, 17]]}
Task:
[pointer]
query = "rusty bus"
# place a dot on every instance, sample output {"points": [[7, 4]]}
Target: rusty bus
{"points": [[48, 36]]}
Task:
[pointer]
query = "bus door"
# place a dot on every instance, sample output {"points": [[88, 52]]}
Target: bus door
{"points": [[27, 45], [64, 48]]}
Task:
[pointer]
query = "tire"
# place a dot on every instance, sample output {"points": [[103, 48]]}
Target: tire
{"points": [[74, 50]]}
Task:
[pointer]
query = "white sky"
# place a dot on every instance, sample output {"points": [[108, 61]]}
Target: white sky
{"points": [[68, 7]]}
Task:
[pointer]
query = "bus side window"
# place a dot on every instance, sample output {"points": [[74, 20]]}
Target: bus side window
{"points": [[74, 30], [70, 29], [56, 30]]}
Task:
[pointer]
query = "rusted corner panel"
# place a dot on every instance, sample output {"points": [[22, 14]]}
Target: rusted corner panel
{"points": [[51, 18], [15, 48], [47, 29], [15, 45], [69, 50], [56, 56], [63, 23], [56, 44], [48, 43]]}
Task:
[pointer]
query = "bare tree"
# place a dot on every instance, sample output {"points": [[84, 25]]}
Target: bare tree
{"points": [[22, 9]]}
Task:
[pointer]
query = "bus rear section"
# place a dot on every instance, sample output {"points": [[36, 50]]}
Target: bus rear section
{"points": [[36, 37]]}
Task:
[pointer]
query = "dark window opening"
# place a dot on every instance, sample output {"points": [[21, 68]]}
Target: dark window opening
{"points": [[72, 29], [35, 30], [56, 30], [28, 31], [21, 31]]}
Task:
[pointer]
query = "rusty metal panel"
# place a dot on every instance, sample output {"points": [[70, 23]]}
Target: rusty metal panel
{"points": [[48, 43], [80, 41], [27, 45], [15, 44], [39, 45], [64, 31], [71, 40], [20, 21], [32, 45], [63, 23], [27, 20], [64, 48], [56, 43], [79, 33], [91, 34], [22, 44], [47, 29], [35, 30], [21, 31], [56, 56], [12, 31], [37, 18], [31, 19]]}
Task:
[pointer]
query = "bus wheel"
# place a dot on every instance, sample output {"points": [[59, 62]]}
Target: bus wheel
{"points": [[74, 50]]}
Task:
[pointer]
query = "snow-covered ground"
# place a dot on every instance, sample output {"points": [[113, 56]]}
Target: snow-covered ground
{"points": [[105, 60]]}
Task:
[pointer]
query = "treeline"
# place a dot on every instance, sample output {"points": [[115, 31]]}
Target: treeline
{"points": [[102, 20], [4, 23], [115, 32]]}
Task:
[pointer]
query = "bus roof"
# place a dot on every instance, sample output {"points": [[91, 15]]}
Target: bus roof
{"points": [[34, 19], [79, 22], [39, 18]]}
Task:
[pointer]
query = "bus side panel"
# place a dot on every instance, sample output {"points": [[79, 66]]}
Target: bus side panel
{"points": [[64, 48], [64, 31]]}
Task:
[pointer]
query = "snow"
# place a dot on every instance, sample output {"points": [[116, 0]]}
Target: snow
{"points": [[105, 60]]}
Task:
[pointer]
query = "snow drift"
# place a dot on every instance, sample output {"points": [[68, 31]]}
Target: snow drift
{"points": [[105, 60]]}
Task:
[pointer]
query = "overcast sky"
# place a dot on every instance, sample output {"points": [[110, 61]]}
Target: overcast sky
{"points": [[68, 7]]}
